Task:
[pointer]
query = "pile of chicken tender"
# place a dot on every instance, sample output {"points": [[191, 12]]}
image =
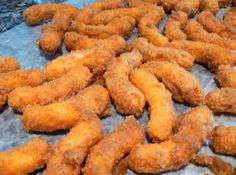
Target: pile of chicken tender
{"points": [[74, 91]]}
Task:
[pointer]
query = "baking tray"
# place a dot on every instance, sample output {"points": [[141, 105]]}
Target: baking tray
{"points": [[20, 43]]}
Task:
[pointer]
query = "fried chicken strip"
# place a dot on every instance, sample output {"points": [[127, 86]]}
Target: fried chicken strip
{"points": [[120, 168], [188, 6], [210, 5], [153, 53], [216, 164], [72, 149], [223, 140], [66, 114], [226, 76], [8, 64], [181, 83], [192, 131], [127, 98], [169, 4], [24, 159], [229, 17], [113, 147], [174, 25], [135, 3], [162, 115], [224, 3], [52, 91], [222, 100]]}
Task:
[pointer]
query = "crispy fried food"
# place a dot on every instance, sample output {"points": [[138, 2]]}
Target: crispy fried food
{"points": [[52, 91], [153, 53], [72, 149], [192, 131], [210, 54], [229, 17], [113, 147], [147, 28], [3, 96], [162, 115], [181, 83], [24, 159], [169, 4], [195, 32], [126, 97], [214, 25], [216, 164], [8, 64], [233, 2], [188, 6], [135, 3], [223, 140], [174, 25], [66, 114], [226, 76], [224, 3], [92, 58], [210, 5], [104, 31], [120, 168], [75, 41], [222, 100]]}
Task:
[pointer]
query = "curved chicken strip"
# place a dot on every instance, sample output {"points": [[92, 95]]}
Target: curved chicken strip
{"points": [[72, 149], [127, 98], [181, 83], [214, 25], [224, 3], [75, 41], [222, 100], [113, 147], [104, 31], [174, 25], [24, 159], [226, 76], [210, 54], [223, 140], [66, 114], [210, 5], [192, 131], [8, 64], [52, 91], [195, 32], [229, 17], [153, 53], [147, 28], [162, 115]]}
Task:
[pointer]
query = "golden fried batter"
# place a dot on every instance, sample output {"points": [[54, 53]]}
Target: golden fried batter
{"points": [[230, 17], [65, 114], [162, 115], [210, 5], [3, 96], [8, 64], [224, 3], [52, 91], [153, 53], [192, 131], [188, 6], [120, 168], [72, 149], [226, 76], [174, 25], [181, 83], [169, 4], [223, 140], [135, 3], [113, 147], [24, 159], [126, 97], [222, 100]]}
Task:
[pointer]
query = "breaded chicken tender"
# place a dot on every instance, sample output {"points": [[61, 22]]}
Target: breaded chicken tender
{"points": [[66, 114], [162, 115], [215, 164], [214, 25], [135, 3], [91, 58], [188, 6], [75, 41], [169, 4], [114, 27], [8, 64], [223, 140], [120, 168], [222, 100], [230, 17], [174, 25], [224, 3], [181, 83], [153, 53], [24, 159], [192, 131], [126, 97], [210, 5], [147, 28], [210, 54], [195, 32], [113, 147], [51, 91], [70, 152], [226, 76]]}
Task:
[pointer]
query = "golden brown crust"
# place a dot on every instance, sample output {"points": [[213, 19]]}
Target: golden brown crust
{"points": [[210, 5], [224, 3], [226, 76], [120, 168], [24, 159], [169, 4], [113, 147], [162, 115], [8, 64], [229, 17]]}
